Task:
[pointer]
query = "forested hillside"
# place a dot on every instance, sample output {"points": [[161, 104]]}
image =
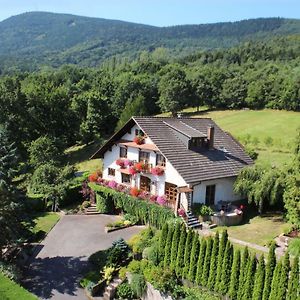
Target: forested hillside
{"points": [[32, 40]]}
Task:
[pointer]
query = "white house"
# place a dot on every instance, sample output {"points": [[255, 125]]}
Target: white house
{"points": [[197, 161]]}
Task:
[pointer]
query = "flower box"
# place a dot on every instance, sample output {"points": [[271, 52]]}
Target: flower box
{"points": [[139, 140], [157, 171]]}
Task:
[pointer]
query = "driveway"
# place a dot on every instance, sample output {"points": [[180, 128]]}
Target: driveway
{"points": [[55, 271]]}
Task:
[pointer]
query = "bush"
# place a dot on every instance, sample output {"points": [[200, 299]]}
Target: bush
{"points": [[103, 205], [124, 291], [294, 247], [138, 284], [133, 219], [152, 254], [137, 266], [142, 240], [108, 272], [72, 195], [206, 211], [118, 253], [86, 204], [35, 203], [90, 277]]}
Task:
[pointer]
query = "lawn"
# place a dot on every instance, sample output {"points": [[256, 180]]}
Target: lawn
{"points": [[255, 126], [10, 290], [258, 230], [44, 222]]}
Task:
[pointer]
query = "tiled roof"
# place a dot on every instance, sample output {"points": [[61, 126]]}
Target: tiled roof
{"points": [[225, 160]]}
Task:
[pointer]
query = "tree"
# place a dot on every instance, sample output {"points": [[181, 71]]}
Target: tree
{"points": [[234, 277], [284, 277], [293, 285], [271, 263], [275, 286], [174, 246], [187, 252], [174, 90], [243, 273], [226, 268], [222, 246], [167, 255], [194, 258], [213, 262], [181, 250], [249, 282], [259, 279], [43, 150], [200, 262], [206, 265], [162, 240]]}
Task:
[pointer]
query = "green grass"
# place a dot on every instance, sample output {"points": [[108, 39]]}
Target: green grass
{"points": [[79, 156], [258, 230], [44, 222], [281, 126], [10, 290]]}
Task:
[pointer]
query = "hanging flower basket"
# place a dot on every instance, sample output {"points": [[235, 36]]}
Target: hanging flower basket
{"points": [[139, 167], [112, 184], [158, 171], [134, 191], [139, 140], [132, 170], [161, 200], [127, 163], [120, 162]]}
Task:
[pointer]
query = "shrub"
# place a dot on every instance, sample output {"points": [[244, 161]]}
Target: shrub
{"points": [[108, 272], [206, 211], [104, 205], [138, 284], [86, 204], [137, 266], [118, 253], [294, 247], [133, 219], [124, 291], [90, 277], [142, 240], [152, 254]]}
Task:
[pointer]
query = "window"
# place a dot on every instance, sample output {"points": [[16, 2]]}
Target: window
{"points": [[123, 152], [210, 194], [196, 142], [139, 132], [111, 172], [171, 193], [144, 156], [125, 178], [160, 160]]}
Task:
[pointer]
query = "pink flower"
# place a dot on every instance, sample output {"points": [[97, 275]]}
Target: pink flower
{"points": [[161, 200], [127, 163], [157, 171], [153, 198], [112, 184], [132, 170], [181, 212]]}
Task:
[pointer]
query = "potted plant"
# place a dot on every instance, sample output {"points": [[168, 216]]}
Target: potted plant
{"points": [[205, 213], [158, 171], [139, 167], [120, 162], [132, 170], [139, 139], [161, 200]]}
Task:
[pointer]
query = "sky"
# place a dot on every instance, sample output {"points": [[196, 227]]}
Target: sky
{"points": [[159, 12]]}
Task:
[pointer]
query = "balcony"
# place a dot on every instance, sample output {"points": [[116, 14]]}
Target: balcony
{"points": [[149, 147]]}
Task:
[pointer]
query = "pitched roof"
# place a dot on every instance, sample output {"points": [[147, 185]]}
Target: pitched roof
{"points": [[225, 160]]}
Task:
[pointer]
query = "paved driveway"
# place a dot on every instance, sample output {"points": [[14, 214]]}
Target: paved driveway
{"points": [[55, 271]]}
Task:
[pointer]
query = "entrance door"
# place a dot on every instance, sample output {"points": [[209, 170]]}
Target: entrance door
{"points": [[171, 193], [210, 194], [145, 184]]}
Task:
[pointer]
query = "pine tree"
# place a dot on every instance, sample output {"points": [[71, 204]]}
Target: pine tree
{"points": [[271, 263], [200, 262], [206, 265], [167, 255], [162, 241], [294, 286], [194, 258], [243, 272], [275, 281], [187, 253], [248, 288], [180, 254], [284, 277], [174, 247], [226, 268], [235, 273], [223, 241], [213, 262], [259, 279]]}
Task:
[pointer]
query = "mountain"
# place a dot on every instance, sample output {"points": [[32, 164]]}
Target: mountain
{"points": [[34, 39]]}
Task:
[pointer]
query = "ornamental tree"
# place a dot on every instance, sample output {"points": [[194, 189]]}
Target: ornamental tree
{"points": [[168, 246], [187, 252], [175, 243], [293, 285], [222, 246], [235, 273], [213, 262], [243, 272], [200, 262], [194, 258], [181, 250], [226, 269], [207, 259], [259, 279], [162, 240], [249, 282]]}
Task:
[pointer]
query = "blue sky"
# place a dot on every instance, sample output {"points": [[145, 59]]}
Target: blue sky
{"points": [[159, 12]]}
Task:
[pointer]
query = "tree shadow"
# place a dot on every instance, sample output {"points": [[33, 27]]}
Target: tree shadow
{"points": [[45, 276]]}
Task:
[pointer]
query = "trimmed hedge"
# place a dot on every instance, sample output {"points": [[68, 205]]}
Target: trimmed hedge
{"points": [[146, 212], [104, 206]]}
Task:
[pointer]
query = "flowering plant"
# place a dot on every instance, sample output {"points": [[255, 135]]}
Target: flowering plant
{"points": [[144, 195], [139, 139], [112, 184], [134, 191], [132, 170], [181, 212], [94, 177], [157, 171], [139, 167], [120, 162], [161, 200], [127, 163], [153, 198]]}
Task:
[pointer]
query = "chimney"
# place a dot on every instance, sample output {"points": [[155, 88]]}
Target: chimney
{"points": [[210, 136]]}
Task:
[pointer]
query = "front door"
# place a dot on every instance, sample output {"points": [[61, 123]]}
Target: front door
{"points": [[145, 184], [210, 194], [171, 193]]}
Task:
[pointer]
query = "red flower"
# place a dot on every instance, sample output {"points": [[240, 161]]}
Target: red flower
{"points": [[139, 167], [132, 170], [94, 177], [134, 191], [157, 171], [139, 139], [120, 162]]}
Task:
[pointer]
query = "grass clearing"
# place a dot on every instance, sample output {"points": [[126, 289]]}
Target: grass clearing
{"points": [[44, 222], [258, 230], [10, 290]]}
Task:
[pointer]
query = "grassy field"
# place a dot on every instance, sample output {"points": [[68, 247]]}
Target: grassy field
{"points": [[271, 132], [10, 290], [258, 230]]}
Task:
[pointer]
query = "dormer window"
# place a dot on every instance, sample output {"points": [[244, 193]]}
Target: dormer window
{"points": [[196, 142], [160, 160], [144, 156], [139, 132], [123, 152]]}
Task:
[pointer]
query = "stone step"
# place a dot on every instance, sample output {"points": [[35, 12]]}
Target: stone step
{"points": [[92, 213]]}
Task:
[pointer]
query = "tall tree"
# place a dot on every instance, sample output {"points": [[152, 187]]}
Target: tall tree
{"points": [[167, 255], [213, 262], [162, 240], [174, 246], [235, 273], [284, 277], [200, 261], [275, 286], [180, 253], [259, 279], [223, 242], [243, 273], [226, 268], [194, 258], [293, 285], [206, 265], [187, 252]]}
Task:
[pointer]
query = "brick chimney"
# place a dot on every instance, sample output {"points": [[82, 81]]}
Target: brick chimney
{"points": [[210, 136]]}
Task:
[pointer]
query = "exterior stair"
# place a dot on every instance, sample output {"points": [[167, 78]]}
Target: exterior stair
{"points": [[191, 221], [92, 210], [110, 290]]}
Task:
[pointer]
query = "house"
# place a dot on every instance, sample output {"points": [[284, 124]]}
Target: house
{"points": [[188, 160]]}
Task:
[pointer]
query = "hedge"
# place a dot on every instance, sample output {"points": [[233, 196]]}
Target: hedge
{"points": [[146, 212]]}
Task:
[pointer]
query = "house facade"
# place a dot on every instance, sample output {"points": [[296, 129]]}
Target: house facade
{"points": [[186, 160]]}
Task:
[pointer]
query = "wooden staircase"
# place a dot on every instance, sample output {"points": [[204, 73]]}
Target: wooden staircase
{"points": [[92, 210], [191, 221]]}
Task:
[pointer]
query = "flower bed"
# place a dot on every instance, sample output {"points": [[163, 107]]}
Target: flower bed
{"points": [[125, 222]]}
